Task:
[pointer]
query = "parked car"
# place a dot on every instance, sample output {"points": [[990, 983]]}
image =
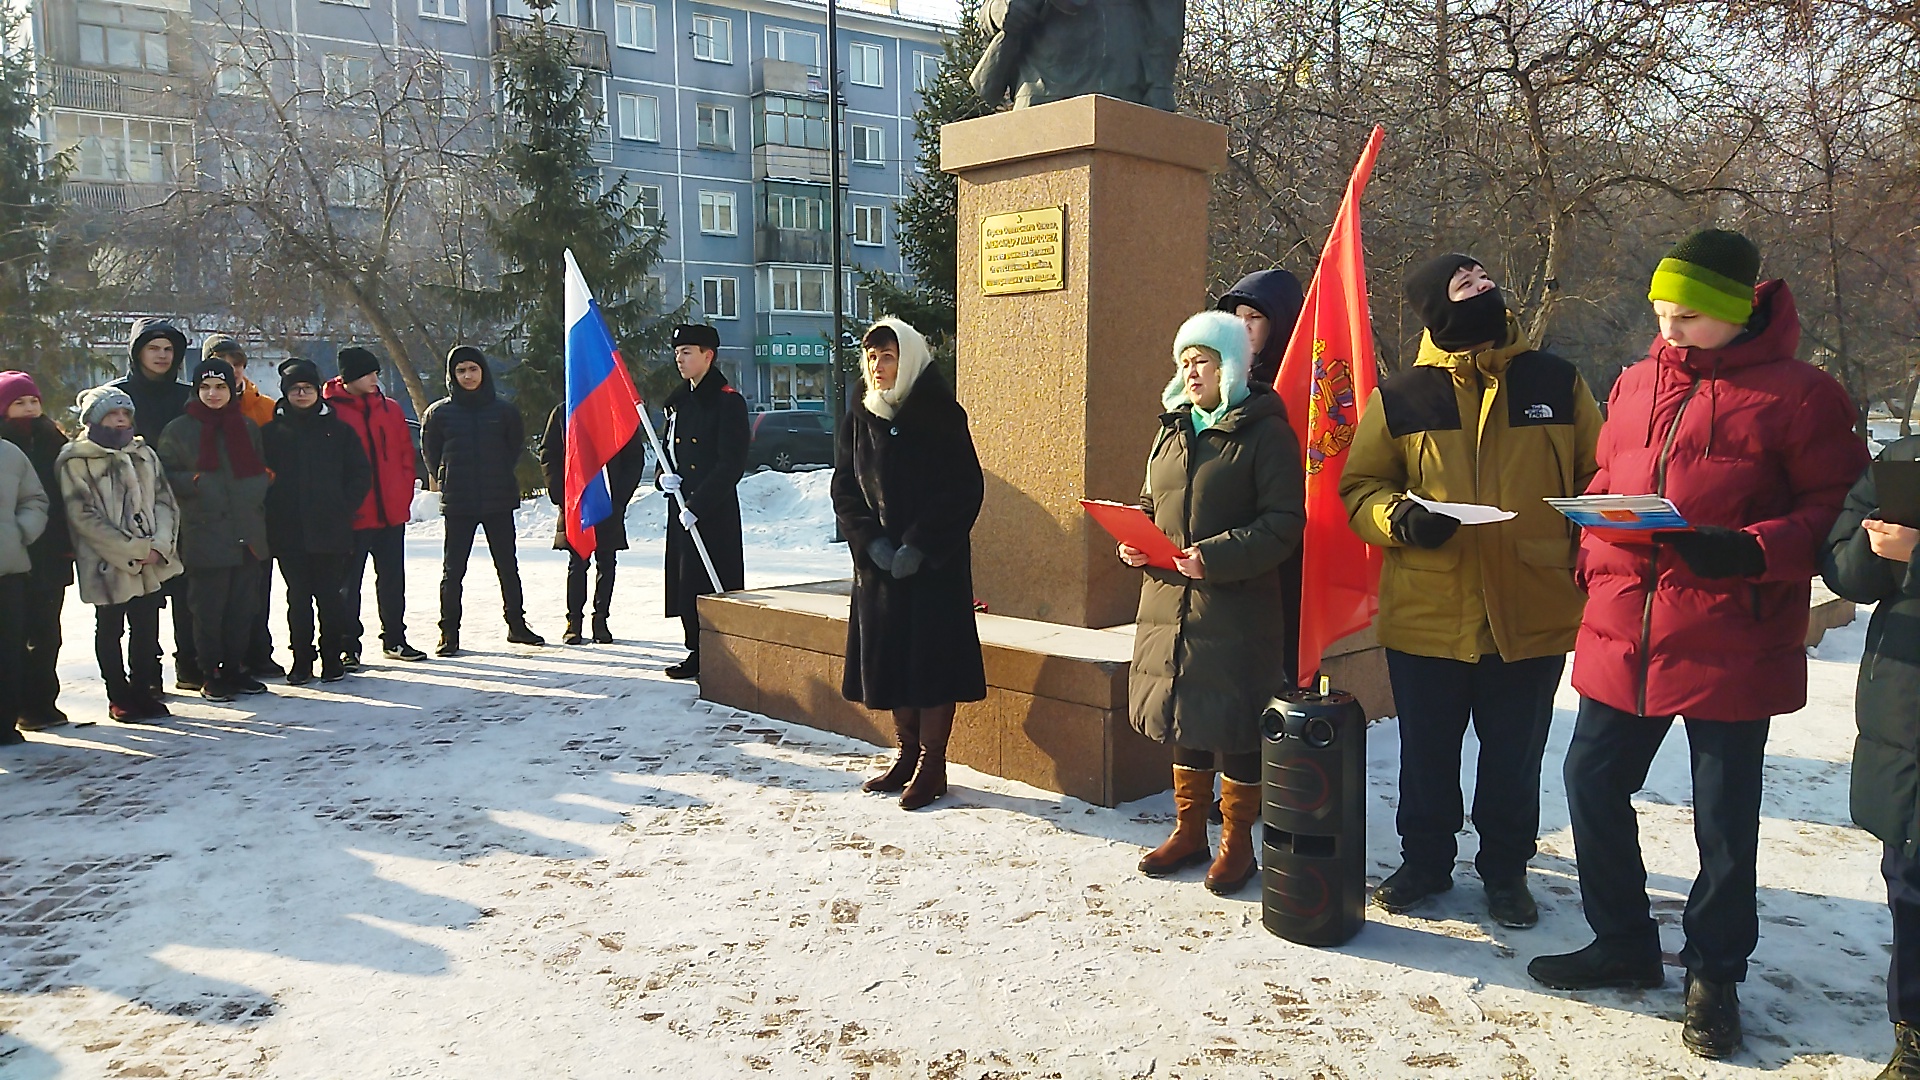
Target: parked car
{"points": [[786, 438]]}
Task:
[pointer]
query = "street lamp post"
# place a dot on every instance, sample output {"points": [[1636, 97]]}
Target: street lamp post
{"points": [[836, 380]]}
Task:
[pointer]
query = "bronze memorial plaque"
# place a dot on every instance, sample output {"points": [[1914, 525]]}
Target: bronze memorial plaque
{"points": [[1024, 252]]}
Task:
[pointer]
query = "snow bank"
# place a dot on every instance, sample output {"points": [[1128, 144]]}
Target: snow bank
{"points": [[784, 512]]}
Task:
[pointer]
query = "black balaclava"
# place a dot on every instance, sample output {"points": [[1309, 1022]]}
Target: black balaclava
{"points": [[1456, 326]]}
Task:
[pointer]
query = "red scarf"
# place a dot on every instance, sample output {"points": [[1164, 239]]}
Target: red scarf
{"points": [[227, 423]]}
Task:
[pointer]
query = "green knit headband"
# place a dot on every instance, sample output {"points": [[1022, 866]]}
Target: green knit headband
{"points": [[1694, 286]]}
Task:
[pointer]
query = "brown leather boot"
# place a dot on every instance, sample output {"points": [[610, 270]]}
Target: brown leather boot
{"points": [[1235, 865], [906, 731], [1192, 798], [930, 779]]}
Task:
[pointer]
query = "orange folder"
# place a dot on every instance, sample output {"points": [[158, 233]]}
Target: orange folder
{"points": [[1129, 524]]}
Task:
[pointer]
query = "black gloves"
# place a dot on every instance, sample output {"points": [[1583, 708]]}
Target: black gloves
{"points": [[1417, 526], [1715, 551], [906, 561], [883, 553]]}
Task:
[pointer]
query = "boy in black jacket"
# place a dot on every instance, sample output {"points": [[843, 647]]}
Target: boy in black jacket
{"points": [[320, 476]]}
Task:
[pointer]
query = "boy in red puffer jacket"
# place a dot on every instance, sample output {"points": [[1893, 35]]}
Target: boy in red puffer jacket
{"points": [[1757, 450], [380, 525]]}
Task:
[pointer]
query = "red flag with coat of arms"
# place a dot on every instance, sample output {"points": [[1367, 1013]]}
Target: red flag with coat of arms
{"points": [[1325, 377]]}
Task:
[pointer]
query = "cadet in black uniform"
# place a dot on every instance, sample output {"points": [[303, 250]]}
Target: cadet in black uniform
{"points": [[707, 437]]}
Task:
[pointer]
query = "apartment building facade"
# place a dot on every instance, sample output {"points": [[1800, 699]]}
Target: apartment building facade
{"points": [[714, 114]]}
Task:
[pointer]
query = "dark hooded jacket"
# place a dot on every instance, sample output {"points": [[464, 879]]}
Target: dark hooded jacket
{"points": [[222, 516], [1746, 437], [624, 474], [1886, 699], [473, 442], [320, 476], [1207, 654], [42, 440], [707, 437], [1276, 294], [914, 480], [156, 402]]}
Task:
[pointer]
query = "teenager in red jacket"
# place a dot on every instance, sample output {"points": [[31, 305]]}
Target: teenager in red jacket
{"points": [[380, 525], [1757, 450]]}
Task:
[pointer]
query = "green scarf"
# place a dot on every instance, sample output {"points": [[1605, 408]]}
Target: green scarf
{"points": [[1202, 419]]}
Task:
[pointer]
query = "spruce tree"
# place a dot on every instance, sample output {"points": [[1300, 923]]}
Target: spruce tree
{"points": [[929, 215], [548, 123], [43, 289]]}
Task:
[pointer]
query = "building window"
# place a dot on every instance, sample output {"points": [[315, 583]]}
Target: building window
{"points": [[716, 213], [870, 225], [443, 9], [123, 149], [354, 185], [793, 46], [652, 206], [797, 212], [714, 126], [926, 70], [864, 64], [858, 300], [785, 121], [346, 78], [713, 39], [633, 26], [455, 92], [720, 297], [869, 145], [123, 37], [799, 290], [640, 117], [234, 71]]}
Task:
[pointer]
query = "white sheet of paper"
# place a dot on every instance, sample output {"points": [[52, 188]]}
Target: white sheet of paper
{"points": [[1466, 513]]}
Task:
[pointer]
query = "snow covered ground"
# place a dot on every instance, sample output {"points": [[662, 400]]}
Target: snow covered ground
{"points": [[554, 862]]}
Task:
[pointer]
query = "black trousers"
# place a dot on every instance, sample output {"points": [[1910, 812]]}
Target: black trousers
{"points": [[1510, 705], [1903, 900], [453, 567], [40, 681], [223, 614], [139, 621], [316, 581], [1240, 768], [186, 651], [13, 647], [605, 562], [1608, 761], [388, 549], [260, 638]]}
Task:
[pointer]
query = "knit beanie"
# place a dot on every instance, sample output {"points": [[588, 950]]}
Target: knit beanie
{"points": [[1455, 325], [15, 385], [96, 403], [212, 367], [357, 363], [1712, 272], [296, 371], [224, 345]]}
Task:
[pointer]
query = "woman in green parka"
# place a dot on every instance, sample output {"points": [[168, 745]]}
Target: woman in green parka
{"points": [[1871, 561], [1224, 482]]}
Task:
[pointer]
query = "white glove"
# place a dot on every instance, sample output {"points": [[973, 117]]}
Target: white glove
{"points": [[687, 520], [670, 483]]}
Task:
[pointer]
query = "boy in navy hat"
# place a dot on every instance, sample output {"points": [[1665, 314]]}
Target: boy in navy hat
{"points": [[706, 444]]}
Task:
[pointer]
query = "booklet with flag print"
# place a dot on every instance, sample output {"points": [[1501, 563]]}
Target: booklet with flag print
{"points": [[1628, 513]]}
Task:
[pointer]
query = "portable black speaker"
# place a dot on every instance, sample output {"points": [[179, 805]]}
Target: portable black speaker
{"points": [[1313, 772]]}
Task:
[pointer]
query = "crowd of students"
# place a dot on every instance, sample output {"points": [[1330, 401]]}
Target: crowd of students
{"points": [[184, 496]]}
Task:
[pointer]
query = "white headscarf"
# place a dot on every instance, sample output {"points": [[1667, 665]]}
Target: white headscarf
{"points": [[915, 358]]}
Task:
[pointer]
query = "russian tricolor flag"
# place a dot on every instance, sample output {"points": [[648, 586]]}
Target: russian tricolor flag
{"points": [[602, 411]]}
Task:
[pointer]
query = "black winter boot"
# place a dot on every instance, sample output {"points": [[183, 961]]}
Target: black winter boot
{"points": [[571, 635], [1409, 886], [1906, 1055], [1510, 904], [906, 731], [1599, 967], [449, 643], [332, 670], [301, 673], [1712, 1029], [519, 633], [601, 634], [930, 778]]}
